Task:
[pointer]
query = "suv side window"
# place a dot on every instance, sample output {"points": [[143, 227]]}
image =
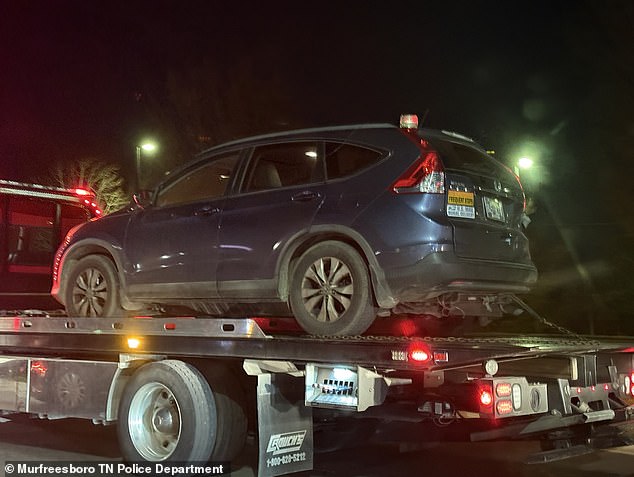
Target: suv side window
{"points": [[345, 159], [204, 183], [30, 234], [284, 165]]}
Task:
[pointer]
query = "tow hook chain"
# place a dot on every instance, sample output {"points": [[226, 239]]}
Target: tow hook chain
{"points": [[559, 328]]}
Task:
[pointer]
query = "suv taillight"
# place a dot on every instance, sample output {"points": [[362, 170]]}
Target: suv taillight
{"points": [[425, 175]]}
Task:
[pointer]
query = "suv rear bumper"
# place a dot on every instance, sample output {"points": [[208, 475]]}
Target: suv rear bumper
{"points": [[444, 272]]}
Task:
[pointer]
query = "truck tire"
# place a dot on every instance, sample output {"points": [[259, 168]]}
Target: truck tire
{"points": [[331, 292], [231, 435], [168, 412], [92, 289]]}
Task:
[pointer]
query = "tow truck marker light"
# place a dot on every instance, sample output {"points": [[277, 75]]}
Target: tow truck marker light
{"points": [[134, 343], [503, 389], [486, 396], [419, 354], [517, 396], [631, 386], [169, 326], [606, 387], [504, 407]]}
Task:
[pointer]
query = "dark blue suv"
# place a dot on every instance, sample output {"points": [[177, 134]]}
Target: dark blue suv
{"points": [[333, 226]]}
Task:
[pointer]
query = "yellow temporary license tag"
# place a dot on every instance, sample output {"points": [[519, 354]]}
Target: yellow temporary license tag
{"points": [[455, 197]]}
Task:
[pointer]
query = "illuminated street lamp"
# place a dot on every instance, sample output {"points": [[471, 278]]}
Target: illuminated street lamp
{"points": [[147, 147], [522, 163], [525, 162]]}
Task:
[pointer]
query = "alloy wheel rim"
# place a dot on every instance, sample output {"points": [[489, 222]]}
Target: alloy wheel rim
{"points": [[90, 293], [327, 289]]}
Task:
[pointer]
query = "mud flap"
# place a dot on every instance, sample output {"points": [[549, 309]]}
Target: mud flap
{"points": [[285, 426]]}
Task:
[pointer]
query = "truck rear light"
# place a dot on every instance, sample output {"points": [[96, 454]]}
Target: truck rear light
{"points": [[485, 396], [504, 407], [419, 353], [503, 389], [133, 342], [425, 175], [631, 385], [517, 396], [510, 396]]}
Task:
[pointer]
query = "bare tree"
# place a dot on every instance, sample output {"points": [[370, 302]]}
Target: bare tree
{"points": [[103, 179]]}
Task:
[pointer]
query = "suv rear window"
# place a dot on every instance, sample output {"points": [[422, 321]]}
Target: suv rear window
{"points": [[466, 158]]}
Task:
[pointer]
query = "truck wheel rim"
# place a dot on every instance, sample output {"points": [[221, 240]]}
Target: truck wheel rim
{"points": [[327, 289], [154, 421], [71, 390], [90, 293]]}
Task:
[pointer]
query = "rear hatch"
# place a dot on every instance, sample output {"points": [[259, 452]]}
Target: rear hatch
{"points": [[484, 203]]}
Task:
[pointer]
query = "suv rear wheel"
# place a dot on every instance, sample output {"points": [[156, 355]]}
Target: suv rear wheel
{"points": [[330, 291], [93, 288]]}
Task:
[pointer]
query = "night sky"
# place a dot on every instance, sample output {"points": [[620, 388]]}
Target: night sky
{"points": [[551, 80]]}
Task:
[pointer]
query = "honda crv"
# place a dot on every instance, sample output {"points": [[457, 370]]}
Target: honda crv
{"points": [[333, 226]]}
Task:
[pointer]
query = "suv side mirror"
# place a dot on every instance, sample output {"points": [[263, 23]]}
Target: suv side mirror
{"points": [[142, 199]]}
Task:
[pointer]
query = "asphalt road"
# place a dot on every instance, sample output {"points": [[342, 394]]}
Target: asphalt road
{"points": [[37, 441]]}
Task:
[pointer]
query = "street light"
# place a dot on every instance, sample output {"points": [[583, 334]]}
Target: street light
{"points": [[522, 163], [525, 162], [148, 147]]}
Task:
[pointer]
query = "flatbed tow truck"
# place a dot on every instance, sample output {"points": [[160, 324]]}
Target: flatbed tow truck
{"points": [[184, 389]]}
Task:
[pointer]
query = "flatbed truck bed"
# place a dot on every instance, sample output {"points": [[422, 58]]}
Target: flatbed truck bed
{"points": [[187, 389]]}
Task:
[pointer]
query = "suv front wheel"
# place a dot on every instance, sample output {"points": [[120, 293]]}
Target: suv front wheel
{"points": [[93, 289], [330, 291]]}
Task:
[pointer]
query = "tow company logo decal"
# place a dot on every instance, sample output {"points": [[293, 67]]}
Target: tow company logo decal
{"points": [[286, 442]]}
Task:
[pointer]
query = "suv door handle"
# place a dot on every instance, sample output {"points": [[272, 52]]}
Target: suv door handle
{"points": [[203, 211], [305, 196]]}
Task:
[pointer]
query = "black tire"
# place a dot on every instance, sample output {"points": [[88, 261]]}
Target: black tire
{"points": [[92, 289], [330, 291], [231, 431], [168, 412]]}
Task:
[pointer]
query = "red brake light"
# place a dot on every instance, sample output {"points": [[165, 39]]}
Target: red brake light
{"points": [[504, 407], [486, 396], [426, 174], [419, 353], [503, 389]]}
